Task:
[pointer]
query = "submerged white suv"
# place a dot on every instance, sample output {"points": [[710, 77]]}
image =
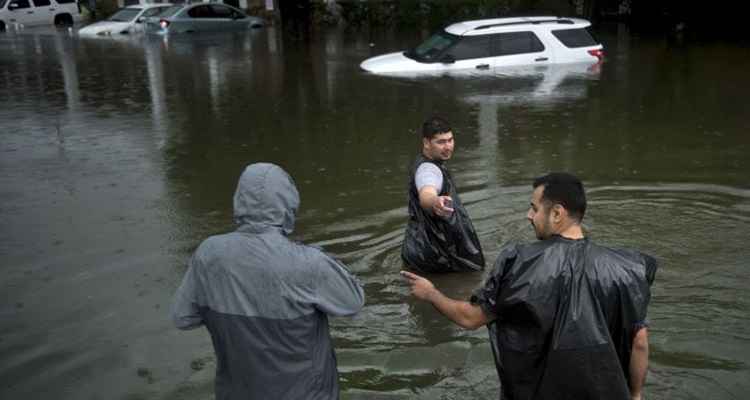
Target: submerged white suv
{"points": [[38, 12], [491, 43]]}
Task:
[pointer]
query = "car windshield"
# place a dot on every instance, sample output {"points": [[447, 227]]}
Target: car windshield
{"points": [[431, 48], [171, 11], [125, 15]]}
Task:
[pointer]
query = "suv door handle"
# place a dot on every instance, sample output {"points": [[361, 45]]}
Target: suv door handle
{"points": [[483, 66], [541, 59]]}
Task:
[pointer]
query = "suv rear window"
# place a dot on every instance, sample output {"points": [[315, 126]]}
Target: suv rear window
{"points": [[579, 37]]}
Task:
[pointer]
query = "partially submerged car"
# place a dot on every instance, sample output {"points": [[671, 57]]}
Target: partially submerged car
{"points": [[126, 20], [203, 17], [492, 43], [38, 12]]}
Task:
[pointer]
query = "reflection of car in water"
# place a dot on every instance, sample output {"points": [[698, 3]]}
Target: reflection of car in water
{"points": [[492, 43], [539, 85], [126, 20], [202, 17], [38, 12]]}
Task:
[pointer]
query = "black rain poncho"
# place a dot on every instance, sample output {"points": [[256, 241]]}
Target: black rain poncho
{"points": [[437, 244], [567, 312], [265, 299]]}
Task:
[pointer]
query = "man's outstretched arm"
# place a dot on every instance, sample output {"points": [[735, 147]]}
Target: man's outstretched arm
{"points": [[638, 363], [462, 313], [430, 201]]}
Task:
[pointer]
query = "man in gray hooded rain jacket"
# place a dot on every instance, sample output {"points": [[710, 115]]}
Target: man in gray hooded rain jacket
{"points": [[265, 299]]}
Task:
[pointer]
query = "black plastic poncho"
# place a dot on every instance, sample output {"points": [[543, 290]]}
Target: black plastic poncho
{"points": [[437, 244], [566, 315]]}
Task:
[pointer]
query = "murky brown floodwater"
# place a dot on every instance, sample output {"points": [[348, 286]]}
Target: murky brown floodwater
{"points": [[117, 157]]}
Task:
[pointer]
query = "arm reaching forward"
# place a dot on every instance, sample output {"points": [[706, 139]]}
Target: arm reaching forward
{"points": [[462, 313], [442, 206]]}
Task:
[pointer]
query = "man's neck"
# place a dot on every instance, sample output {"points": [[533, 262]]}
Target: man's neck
{"points": [[573, 231]]}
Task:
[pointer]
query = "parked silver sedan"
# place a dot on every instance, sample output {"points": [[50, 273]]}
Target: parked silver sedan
{"points": [[202, 17]]}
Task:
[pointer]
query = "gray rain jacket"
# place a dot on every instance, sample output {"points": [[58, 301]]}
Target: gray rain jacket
{"points": [[265, 299]]}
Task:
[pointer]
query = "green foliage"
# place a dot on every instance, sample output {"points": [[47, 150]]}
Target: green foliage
{"points": [[105, 8], [321, 14], [422, 13]]}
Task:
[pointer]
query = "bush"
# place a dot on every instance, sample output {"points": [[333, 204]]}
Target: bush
{"points": [[422, 13]]}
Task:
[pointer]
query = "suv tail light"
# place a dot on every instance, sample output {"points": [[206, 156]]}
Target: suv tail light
{"points": [[163, 23], [598, 53]]}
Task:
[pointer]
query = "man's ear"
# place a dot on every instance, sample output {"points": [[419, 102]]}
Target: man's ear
{"points": [[558, 213], [425, 142]]}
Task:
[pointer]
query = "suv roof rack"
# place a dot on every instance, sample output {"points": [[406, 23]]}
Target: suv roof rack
{"points": [[537, 22]]}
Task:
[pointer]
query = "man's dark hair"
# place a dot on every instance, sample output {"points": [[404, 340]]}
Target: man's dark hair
{"points": [[435, 126], [564, 189]]}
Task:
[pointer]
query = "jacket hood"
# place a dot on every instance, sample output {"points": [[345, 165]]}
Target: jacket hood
{"points": [[265, 197]]}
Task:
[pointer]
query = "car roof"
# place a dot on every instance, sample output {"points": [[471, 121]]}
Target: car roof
{"points": [[149, 5], [481, 26]]}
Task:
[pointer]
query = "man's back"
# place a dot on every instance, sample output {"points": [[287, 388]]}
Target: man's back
{"points": [[265, 300], [567, 311]]}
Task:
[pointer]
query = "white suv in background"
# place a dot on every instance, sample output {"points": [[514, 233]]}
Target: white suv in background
{"points": [[38, 12], [492, 43]]}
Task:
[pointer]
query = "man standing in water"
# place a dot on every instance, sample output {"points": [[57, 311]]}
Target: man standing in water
{"points": [[566, 317], [439, 235], [265, 300]]}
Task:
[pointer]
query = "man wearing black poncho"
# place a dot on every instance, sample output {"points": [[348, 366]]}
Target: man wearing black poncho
{"points": [[566, 317], [439, 236]]}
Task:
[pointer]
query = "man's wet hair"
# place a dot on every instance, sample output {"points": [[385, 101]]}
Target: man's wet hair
{"points": [[435, 126], [564, 189]]}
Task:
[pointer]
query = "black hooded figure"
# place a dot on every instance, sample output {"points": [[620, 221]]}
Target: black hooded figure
{"points": [[441, 237]]}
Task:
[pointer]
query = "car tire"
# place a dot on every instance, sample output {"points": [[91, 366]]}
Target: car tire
{"points": [[63, 20]]}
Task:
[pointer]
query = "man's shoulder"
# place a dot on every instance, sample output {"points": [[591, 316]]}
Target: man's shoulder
{"points": [[528, 250], [624, 259], [520, 252], [422, 163]]}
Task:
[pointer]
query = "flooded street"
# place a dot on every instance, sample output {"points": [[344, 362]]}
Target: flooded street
{"points": [[118, 156]]}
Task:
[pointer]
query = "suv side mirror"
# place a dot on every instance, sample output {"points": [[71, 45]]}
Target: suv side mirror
{"points": [[140, 20], [448, 59]]}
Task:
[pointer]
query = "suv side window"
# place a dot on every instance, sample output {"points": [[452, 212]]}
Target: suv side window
{"points": [[41, 3], [575, 37], [20, 4], [65, 1], [505, 44], [471, 47]]}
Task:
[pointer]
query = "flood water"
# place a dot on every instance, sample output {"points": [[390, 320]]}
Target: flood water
{"points": [[118, 156]]}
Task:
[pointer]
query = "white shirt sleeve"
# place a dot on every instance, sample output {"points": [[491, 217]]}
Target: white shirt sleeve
{"points": [[428, 174]]}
